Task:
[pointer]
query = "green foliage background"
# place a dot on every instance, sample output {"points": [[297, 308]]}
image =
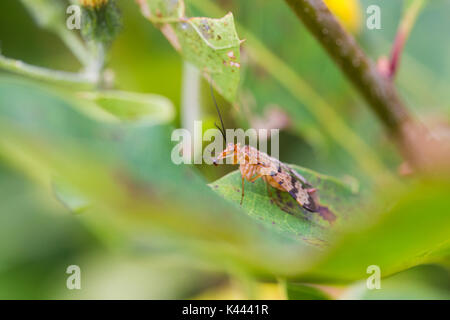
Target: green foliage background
{"points": [[86, 176]]}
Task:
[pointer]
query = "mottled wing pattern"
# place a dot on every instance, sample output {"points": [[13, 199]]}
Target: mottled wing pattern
{"points": [[288, 179], [304, 182], [295, 184]]}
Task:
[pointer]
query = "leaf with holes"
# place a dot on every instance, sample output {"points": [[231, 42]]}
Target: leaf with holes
{"points": [[210, 44]]}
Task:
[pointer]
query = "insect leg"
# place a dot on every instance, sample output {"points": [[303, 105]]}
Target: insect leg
{"points": [[272, 198], [242, 196], [244, 172], [256, 177]]}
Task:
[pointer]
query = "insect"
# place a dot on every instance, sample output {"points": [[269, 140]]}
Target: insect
{"points": [[255, 164]]}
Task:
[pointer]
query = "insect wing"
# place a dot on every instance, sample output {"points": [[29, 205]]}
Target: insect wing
{"points": [[302, 179], [296, 185]]}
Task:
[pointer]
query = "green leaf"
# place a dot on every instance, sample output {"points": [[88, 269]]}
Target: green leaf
{"points": [[132, 107], [394, 237], [29, 269], [210, 44], [419, 283], [282, 212], [410, 226], [297, 291], [127, 107]]}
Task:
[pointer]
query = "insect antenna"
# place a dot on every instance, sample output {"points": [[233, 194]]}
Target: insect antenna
{"points": [[222, 130]]}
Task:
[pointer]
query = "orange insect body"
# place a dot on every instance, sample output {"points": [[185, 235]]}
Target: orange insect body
{"points": [[255, 164]]}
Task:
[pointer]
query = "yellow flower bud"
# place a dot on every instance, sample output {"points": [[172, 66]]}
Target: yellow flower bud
{"points": [[348, 12], [93, 3]]}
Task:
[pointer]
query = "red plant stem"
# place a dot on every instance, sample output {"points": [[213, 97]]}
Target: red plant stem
{"points": [[397, 49], [402, 35]]}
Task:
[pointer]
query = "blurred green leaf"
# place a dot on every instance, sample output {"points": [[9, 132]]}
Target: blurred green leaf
{"points": [[298, 291], [37, 240], [148, 277], [282, 212], [211, 44], [70, 197], [125, 171], [134, 108], [46, 13], [419, 283], [410, 227], [50, 15]]}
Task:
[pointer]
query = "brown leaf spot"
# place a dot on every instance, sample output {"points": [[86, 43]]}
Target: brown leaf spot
{"points": [[326, 214]]}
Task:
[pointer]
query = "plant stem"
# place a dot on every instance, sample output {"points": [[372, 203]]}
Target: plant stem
{"points": [[403, 32], [190, 101], [75, 45], [41, 73], [361, 71], [97, 63]]}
